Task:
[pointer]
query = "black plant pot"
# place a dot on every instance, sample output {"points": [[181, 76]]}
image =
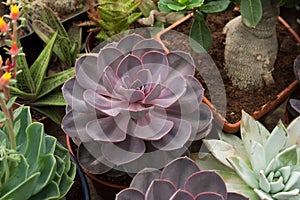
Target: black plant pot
{"points": [[84, 184]]}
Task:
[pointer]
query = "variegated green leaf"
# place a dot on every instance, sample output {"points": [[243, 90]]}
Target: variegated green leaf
{"points": [[40, 66]]}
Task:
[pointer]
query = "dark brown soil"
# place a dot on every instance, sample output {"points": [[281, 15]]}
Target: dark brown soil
{"points": [[237, 100]]}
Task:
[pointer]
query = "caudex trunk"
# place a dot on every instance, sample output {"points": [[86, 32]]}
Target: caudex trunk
{"points": [[250, 52]]}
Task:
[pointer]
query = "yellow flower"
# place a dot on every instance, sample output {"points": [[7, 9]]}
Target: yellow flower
{"points": [[14, 12], [3, 25], [4, 80]]}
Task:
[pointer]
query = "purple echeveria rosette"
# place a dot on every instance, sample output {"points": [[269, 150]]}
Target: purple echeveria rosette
{"points": [[174, 183], [132, 105]]}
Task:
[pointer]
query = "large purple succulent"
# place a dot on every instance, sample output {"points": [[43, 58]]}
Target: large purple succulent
{"points": [[181, 179], [132, 98]]}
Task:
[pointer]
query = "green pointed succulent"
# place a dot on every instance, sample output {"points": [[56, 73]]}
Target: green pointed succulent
{"points": [[261, 165]]}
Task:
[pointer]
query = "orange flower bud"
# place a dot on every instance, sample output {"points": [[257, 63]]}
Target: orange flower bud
{"points": [[14, 50], [14, 12], [4, 80], [3, 25]]}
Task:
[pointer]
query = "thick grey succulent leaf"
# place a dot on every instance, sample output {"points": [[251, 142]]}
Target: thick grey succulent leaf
{"points": [[293, 132], [130, 65], [123, 152], [107, 129], [74, 123], [87, 75], [158, 65], [182, 63], [209, 196], [235, 196], [170, 93], [128, 42], [160, 189], [206, 181], [128, 194], [177, 137], [278, 137], [145, 46], [143, 179], [151, 127], [75, 99], [154, 158], [182, 195], [295, 104], [109, 106], [258, 132], [171, 170], [109, 57], [190, 101]]}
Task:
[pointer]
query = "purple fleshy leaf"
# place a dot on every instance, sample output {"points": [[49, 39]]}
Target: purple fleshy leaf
{"points": [[153, 92], [137, 85], [209, 196], [108, 129], [87, 73], [236, 196], [182, 63], [200, 119], [190, 100], [136, 111], [91, 159], [176, 138], [145, 77], [295, 104], [127, 43], [123, 152], [143, 179], [153, 158], [74, 122], [130, 66], [109, 81], [109, 57], [73, 94], [158, 65], [297, 68], [182, 195], [171, 170], [131, 95], [160, 189], [104, 104], [206, 181], [147, 45], [151, 127], [170, 93], [128, 194]]}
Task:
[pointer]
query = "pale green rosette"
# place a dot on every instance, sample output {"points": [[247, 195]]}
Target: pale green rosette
{"points": [[261, 165]]}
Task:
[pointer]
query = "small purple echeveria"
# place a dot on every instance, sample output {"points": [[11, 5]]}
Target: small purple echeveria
{"points": [[295, 102], [181, 179], [132, 98]]}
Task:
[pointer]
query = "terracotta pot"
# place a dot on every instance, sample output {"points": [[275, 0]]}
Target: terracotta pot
{"points": [[263, 110], [105, 189]]}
